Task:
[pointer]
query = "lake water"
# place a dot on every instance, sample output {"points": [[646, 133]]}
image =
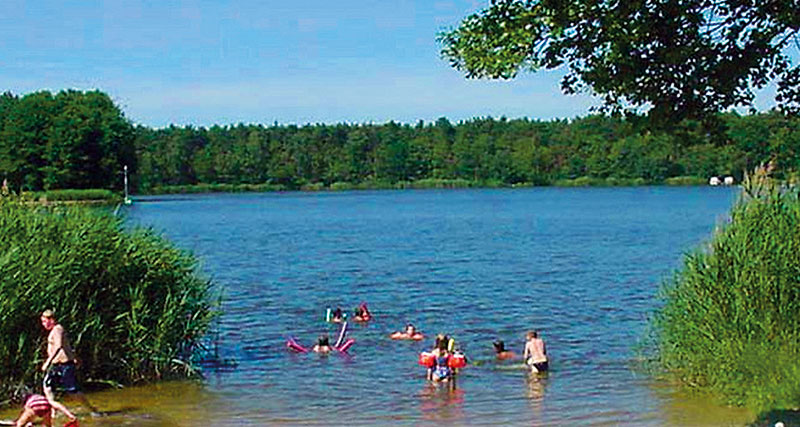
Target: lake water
{"points": [[581, 265]]}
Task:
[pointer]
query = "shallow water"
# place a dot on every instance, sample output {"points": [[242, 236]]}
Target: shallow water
{"points": [[582, 265]]}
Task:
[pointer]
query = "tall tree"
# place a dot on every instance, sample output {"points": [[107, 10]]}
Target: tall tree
{"points": [[25, 138]]}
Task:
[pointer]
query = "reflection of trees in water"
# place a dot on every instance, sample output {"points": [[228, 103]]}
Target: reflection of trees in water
{"points": [[442, 401]]}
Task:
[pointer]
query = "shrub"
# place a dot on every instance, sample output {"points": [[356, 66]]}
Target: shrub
{"points": [[133, 304], [730, 319]]}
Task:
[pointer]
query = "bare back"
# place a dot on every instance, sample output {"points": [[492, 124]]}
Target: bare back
{"points": [[535, 351], [57, 339]]}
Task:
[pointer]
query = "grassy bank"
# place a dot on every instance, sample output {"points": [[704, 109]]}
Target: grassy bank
{"points": [[431, 183], [730, 323], [68, 196], [134, 305]]}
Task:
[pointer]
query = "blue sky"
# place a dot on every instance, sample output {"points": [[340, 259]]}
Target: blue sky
{"points": [[223, 62]]}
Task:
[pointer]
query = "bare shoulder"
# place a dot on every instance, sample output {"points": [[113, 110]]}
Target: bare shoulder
{"points": [[57, 331]]}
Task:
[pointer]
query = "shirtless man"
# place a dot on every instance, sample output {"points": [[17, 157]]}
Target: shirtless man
{"points": [[535, 354], [60, 364]]}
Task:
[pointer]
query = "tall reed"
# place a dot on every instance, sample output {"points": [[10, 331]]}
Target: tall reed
{"points": [[730, 322], [134, 305]]}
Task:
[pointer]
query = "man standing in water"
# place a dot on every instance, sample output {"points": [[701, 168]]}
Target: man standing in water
{"points": [[59, 367], [535, 353]]}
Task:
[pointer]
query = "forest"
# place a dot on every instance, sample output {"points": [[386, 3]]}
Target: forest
{"points": [[78, 140]]}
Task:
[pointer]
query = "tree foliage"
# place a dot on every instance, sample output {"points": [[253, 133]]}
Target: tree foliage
{"points": [[483, 151], [681, 58], [81, 140], [72, 139]]}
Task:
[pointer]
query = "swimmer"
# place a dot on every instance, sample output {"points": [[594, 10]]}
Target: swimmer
{"points": [[535, 353], [37, 406], [338, 316], [410, 333], [500, 351], [323, 345], [441, 372], [362, 314]]}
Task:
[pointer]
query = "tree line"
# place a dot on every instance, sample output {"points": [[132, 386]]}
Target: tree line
{"points": [[82, 140], [481, 150]]}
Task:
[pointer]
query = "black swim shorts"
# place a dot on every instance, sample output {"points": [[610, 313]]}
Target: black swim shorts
{"points": [[541, 366], [61, 377]]}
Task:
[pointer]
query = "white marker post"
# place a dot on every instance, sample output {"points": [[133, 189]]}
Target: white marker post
{"points": [[127, 200]]}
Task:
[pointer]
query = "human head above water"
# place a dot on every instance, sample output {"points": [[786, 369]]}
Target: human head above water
{"points": [[323, 341], [532, 335], [442, 343], [499, 346], [410, 329]]}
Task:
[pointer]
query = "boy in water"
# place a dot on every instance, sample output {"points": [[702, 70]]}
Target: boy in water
{"points": [[535, 353], [323, 345], [338, 316], [500, 351]]}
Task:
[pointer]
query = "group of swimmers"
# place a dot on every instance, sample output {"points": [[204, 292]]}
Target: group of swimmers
{"points": [[360, 314], [444, 360]]}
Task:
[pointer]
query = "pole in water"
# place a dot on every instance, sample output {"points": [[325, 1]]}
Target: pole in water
{"points": [[127, 199]]}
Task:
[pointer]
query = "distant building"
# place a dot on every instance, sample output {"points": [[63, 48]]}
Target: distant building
{"points": [[728, 180], [714, 181]]}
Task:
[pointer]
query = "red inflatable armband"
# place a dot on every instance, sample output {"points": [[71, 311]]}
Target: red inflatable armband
{"points": [[457, 361], [427, 359]]}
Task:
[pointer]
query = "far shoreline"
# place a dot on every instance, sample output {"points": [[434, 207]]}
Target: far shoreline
{"points": [[428, 184]]}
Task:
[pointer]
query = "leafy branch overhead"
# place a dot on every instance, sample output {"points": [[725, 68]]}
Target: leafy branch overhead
{"points": [[679, 58]]}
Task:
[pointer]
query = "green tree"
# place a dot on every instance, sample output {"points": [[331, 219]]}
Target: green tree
{"points": [[683, 58], [25, 139]]}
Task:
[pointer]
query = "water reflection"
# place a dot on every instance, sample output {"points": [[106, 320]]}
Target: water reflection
{"points": [[681, 407], [442, 402], [445, 260], [537, 383]]}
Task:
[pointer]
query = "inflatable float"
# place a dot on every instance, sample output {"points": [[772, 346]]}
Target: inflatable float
{"points": [[342, 342]]}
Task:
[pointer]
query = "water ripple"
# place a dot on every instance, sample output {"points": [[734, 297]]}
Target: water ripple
{"points": [[582, 266]]}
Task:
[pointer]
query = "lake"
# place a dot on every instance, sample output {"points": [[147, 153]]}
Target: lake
{"points": [[581, 265]]}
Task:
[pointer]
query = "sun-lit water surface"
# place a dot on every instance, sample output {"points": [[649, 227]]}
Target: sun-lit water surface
{"points": [[581, 265]]}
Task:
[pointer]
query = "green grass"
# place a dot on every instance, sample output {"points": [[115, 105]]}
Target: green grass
{"points": [[588, 181], [134, 305], [74, 195], [427, 183], [686, 180], [216, 188], [730, 321]]}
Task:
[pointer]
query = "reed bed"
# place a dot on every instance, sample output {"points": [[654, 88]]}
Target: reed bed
{"points": [[93, 194], [730, 322], [134, 305]]}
